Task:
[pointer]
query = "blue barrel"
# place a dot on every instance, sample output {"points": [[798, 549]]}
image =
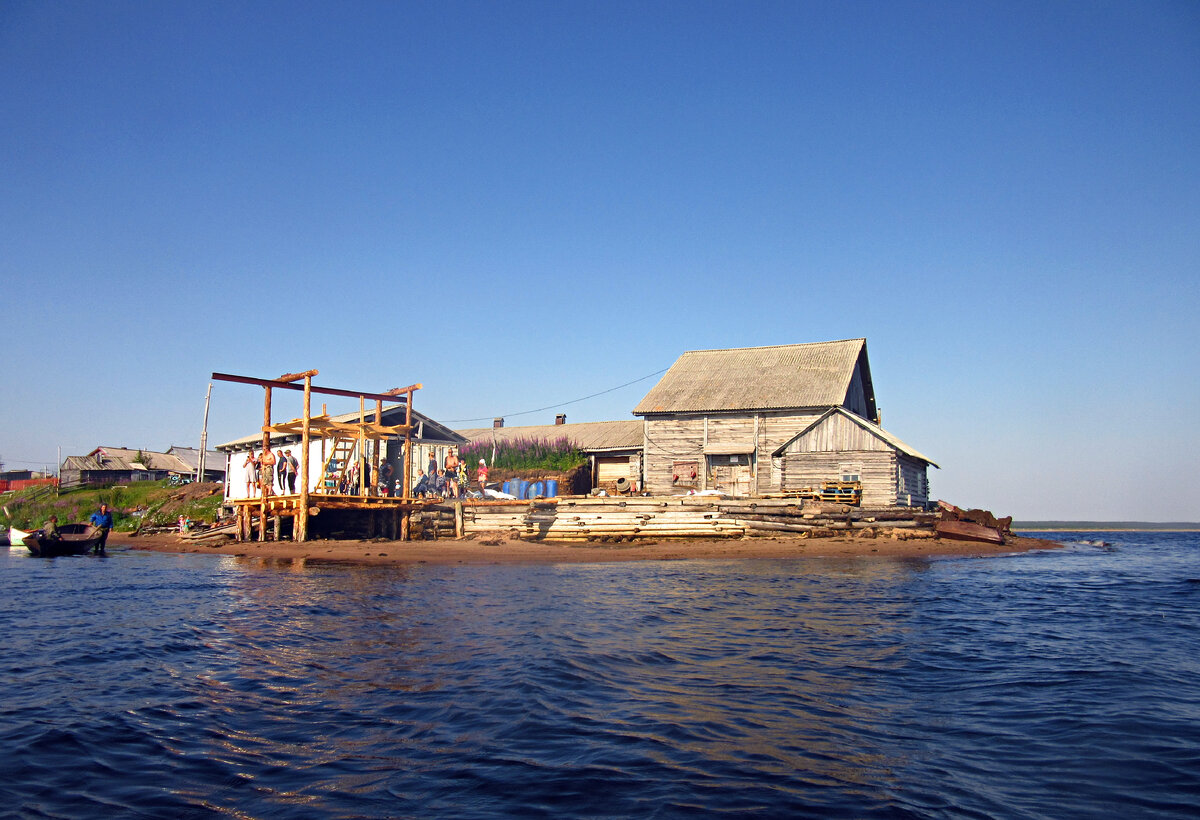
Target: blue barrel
{"points": [[551, 487], [507, 487], [536, 489], [522, 488]]}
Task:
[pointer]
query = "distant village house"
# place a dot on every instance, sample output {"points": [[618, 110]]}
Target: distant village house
{"points": [[121, 465]]}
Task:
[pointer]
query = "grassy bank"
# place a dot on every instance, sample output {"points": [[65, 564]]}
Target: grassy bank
{"points": [[154, 502]]}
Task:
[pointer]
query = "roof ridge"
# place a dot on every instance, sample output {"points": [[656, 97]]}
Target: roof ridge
{"points": [[776, 347]]}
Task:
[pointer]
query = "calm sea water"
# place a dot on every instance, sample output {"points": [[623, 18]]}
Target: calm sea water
{"points": [[1045, 685]]}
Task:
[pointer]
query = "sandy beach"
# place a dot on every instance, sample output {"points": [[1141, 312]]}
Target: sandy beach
{"points": [[503, 550]]}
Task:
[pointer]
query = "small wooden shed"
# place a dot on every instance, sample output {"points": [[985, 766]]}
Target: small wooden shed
{"points": [[842, 446]]}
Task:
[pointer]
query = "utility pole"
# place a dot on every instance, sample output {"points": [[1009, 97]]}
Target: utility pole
{"points": [[203, 437]]}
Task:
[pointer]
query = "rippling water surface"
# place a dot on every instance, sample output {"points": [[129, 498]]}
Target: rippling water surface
{"points": [[1049, 685]]}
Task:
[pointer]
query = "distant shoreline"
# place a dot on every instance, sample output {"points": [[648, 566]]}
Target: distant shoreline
{"points": [[1108, 528]]}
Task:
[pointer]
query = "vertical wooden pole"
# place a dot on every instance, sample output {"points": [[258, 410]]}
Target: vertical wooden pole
{"points": [[378, 444], [362, 445], [408, 445], [406, 516], [265, 477], [301, 533]]}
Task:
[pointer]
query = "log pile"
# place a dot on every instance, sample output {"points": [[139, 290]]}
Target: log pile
{"points": [[619, 518], [213, 536]]}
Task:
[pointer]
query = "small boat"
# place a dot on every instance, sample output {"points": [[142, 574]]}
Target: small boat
{"points": [[968, 531], [76, 539]]}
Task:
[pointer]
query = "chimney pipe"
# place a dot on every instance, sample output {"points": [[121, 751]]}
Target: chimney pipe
{"points": [[561, 418], [498, 422]]}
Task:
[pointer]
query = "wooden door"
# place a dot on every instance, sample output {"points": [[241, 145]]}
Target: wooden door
{"points": [[730, 474]]}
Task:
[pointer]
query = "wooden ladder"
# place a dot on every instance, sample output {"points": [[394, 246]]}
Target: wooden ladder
{"points": [[336, 465]]}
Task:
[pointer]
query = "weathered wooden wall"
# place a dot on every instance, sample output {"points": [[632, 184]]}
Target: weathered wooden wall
{"points": [[684, 437], [913, 485], [876, 468]]}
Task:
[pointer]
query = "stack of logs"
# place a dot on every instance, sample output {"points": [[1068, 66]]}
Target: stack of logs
{"points": [[213, 536], [589, 518]]}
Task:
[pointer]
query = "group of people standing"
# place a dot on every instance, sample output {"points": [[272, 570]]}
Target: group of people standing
{"points": [[452, 480], [281, 467]]}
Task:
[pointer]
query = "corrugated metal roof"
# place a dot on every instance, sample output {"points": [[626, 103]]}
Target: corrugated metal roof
{"points": [[120, 458], [213, 461], [756, 378], [866, 425], [589, 436]]}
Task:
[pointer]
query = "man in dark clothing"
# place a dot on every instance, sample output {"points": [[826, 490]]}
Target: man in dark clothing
{"points": [[422, 486], [50, 529], [102, 520]]}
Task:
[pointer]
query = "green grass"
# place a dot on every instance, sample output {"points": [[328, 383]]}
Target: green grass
{"points": [[525, 454], [31, 507]]}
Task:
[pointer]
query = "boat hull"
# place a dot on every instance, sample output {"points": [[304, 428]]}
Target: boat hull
{"points": [[77, 539], [968, 531]]}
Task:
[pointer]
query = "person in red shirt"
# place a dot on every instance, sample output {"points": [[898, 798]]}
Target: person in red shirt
{"points": [[482, 475]]}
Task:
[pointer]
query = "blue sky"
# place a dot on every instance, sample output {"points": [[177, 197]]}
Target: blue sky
{"points": [[520, 204]]}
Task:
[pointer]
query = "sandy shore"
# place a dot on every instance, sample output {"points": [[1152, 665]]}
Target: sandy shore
{"points": [[500, 550]]}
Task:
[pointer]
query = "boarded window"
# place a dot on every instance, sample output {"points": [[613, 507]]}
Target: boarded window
{"points": [[685, 473], [610, 468], [850, 472]]}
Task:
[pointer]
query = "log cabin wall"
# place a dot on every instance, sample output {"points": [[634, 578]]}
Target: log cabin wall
{"points": [[912, 482], [682, 438], [876, 470]]}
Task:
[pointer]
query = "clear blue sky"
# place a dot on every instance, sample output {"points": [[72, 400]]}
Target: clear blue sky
{"points": [[520, 204]]}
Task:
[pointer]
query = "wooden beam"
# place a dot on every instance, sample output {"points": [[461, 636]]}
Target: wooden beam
{"points": [[295, 377], [327, 391]]}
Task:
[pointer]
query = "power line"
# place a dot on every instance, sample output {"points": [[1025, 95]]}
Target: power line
{"points": [[561, 404]]}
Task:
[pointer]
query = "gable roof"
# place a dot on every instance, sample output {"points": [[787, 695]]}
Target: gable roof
{"points": [[758, 378], [122, 458], [589, 436], [870, 427], [213, 461]]}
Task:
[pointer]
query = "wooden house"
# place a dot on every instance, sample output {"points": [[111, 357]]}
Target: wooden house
{"points": [[724, 419], [119, 465]]}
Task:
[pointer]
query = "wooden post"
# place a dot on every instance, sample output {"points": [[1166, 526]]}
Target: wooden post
{"points": [[407, 451], [458, 519], [378, 442], [301, 533], [362, 445], [264, 476]]}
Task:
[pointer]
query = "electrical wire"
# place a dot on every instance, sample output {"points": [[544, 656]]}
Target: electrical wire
{"points": [[561, 404]]}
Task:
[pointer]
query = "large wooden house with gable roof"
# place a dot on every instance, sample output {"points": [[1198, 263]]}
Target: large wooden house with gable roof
{"points": [[760, 420]]}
